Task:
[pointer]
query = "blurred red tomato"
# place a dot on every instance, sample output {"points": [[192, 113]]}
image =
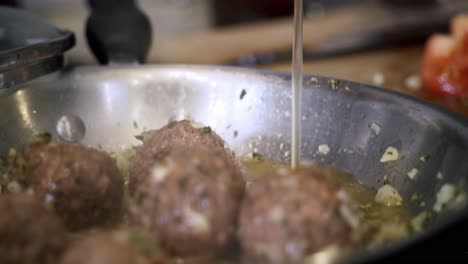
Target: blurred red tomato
{"points": [[445, 62]]}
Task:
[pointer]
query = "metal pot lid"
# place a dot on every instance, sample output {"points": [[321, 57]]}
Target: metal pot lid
{"points": [[29, 47]]}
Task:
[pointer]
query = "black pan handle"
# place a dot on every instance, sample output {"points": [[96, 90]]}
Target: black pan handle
{"points": [[118, 32]]}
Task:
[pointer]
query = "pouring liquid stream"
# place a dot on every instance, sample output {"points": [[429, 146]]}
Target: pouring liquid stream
{"points": [[297, 61]]}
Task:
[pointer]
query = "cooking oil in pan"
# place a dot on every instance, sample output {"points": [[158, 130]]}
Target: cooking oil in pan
{"points": [[296, 84]]}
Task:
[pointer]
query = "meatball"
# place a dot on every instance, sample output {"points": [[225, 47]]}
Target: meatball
{"points": [[180, 133], [190, 201], [29, 233], [83, 185], [290, 215], [98, 248]]}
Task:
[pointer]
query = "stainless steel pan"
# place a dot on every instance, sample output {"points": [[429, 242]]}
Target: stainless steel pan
{"points": [[107, 106], [117, 103]]}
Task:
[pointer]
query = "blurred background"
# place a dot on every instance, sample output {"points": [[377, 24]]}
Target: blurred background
{"points": [[262, 25], [380, 42]]}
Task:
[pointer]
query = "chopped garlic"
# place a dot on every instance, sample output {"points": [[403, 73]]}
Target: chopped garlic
{"points": [[330, 254], [159, 173], [375, 128], [343, 196], [197, 220], [14, 187], [123, 159], [378, 79], [12, 152], [324, 149], [423, 158], [349, 216], [388, 196], [49, 198], [196, 125], [445, 195], [412, 173], [413, 83], [391, 154], [276, 214], [417, 223]]}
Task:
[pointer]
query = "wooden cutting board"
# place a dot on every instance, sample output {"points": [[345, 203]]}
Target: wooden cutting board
{"points": [[396, 69], [389, 68], [393, 68], [227, 45]]}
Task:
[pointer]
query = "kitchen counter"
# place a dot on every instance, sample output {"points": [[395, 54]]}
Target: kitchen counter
{"points": [[392, 68], [396, 69]]}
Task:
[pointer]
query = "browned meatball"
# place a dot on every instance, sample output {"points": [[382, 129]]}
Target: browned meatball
{"points": [[82, 184], [103, 248], [159, 142], [290, 215], [190, 201], [29, 233]]}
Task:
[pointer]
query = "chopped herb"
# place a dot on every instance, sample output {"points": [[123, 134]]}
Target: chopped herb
{"points": [[243, 93], [141, 197], [203, 170], [203, 194], [59, 192], [171, 124], [257, 156], [334, 84], [77, 179], [161, 155], [206, 130], [183, 183], [424, 158], [386, 181], [236, 133], [3, 162], [336, 211], [366, 205], [143, 241], [42, 138]]}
